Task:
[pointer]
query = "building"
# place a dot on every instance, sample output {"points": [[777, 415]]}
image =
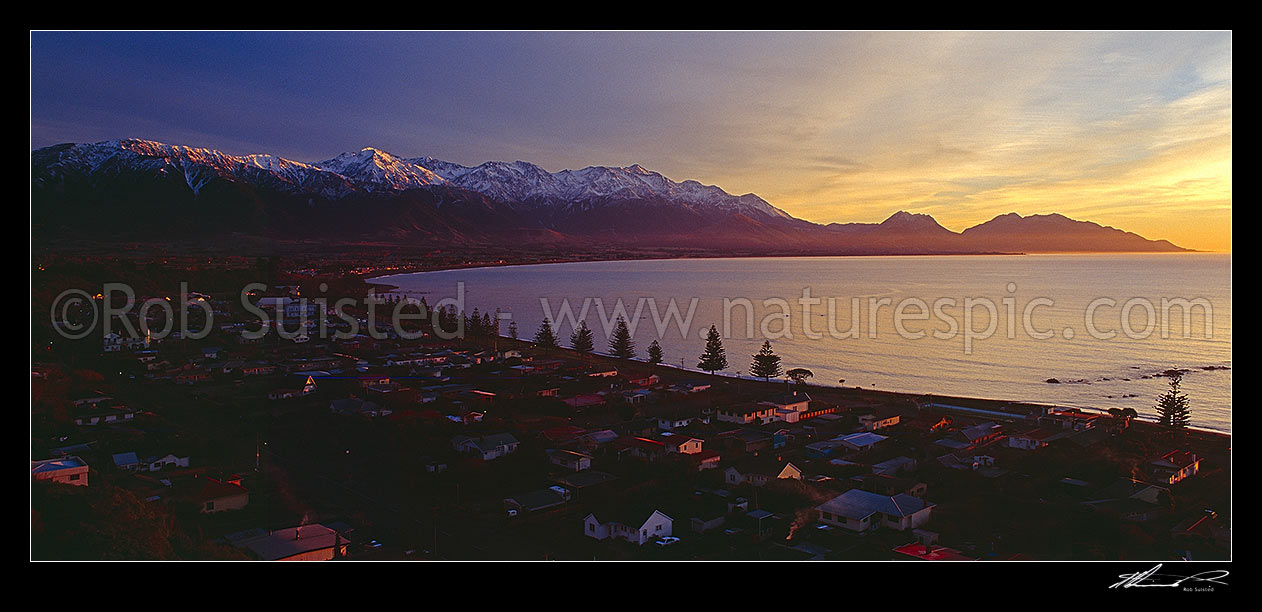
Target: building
{"points": [[1173, 467], [861, 441], [633, 525], [1033, 439], [794, 401], [875, 421], [487, 447], [570, 460], [213, 495], [746, 414], [303, 543], [66, 470], [859, 511], [680, 443], [759, 472]]}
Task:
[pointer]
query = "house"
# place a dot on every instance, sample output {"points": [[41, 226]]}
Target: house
{"points": [[706, 460], [212, 495], [874, 420], [745, 414], [972, 437], [354, 405], [824, 449], [596, 439], [101, 413], [747, 440], [636, 526], [759, 472], [487, 447], [892, 467], [678, 419], [570, 460], [579, 402], [308, 387], [535, 501], [793, 401], [1131, 500], [313, 542], [680, 443], [1173, 467], [65, 470], [1033, 439], [690, 386], [641, 448], [709, 517], [644, 381], [154, 463], [127, 462], [859, 511], [1072, 419], [861, 441], [636, 396], [890, 485]]}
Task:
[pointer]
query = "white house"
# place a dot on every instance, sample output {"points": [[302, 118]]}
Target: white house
{"points": [[634, 527]]}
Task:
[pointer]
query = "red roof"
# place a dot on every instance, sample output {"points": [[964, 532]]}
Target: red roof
{"points": [[1179, 458], [936, 553]]}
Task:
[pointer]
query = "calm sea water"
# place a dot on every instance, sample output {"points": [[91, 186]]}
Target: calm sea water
{"points": [[901, 323]]}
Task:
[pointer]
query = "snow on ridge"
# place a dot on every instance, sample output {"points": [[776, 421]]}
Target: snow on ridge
{"points": [[370, 169]]}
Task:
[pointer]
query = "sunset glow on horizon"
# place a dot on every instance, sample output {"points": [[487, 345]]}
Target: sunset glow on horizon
{"points": [[1131, 130]]}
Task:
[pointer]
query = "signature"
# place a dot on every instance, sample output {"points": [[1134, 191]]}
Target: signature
{"points": [[1144, 579]]}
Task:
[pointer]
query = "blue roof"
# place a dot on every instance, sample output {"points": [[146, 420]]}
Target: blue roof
{"points": [[862, 439], [122, 459]]}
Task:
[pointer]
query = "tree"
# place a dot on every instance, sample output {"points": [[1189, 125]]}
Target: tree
{"points": [[1172, 406], [620, 344], [655, 353], [799, 375], [512, 329], [545, 336], [581, 339], [766, 363], [714, 358]]}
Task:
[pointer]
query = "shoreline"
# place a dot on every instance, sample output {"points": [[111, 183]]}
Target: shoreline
{"points": [[854, 391], [372, 280], [375, 284]]}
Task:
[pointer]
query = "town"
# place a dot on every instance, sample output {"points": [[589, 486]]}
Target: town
{"points": [[404, 444]]}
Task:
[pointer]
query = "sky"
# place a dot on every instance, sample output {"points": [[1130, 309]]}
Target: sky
{"points": [[1128, 129]]}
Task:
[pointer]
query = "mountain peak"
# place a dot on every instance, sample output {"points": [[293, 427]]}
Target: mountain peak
{"points": [[904, 220]]}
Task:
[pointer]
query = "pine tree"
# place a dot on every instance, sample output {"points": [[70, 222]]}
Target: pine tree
{"points": [[714, 358], [1172, 406], [581, 339], [512, 329], [620, 344], [655, 353], [545, 337], [766, 363]]}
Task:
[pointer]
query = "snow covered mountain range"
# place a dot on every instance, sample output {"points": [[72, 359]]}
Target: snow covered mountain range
{"points": [[371, 170], [133, 188]]}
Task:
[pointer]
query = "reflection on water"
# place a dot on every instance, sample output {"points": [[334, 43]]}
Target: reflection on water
{"points": [[983, 326]]}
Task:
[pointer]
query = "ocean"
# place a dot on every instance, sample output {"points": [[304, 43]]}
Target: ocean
{"points": [[1102, 327]]}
